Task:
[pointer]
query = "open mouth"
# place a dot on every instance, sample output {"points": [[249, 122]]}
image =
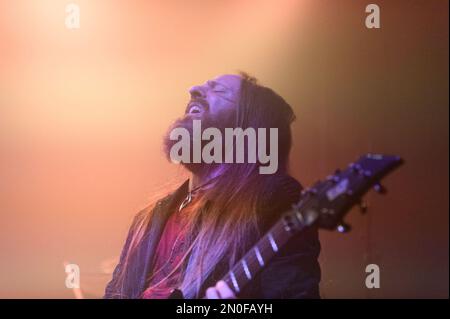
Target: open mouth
{"points": [[195, 108]]}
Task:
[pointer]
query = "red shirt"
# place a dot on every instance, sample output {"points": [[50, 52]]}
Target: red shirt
{"points": [[169, 252]]}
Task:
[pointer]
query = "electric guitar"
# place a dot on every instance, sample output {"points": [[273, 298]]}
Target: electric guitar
{"points": [[323, 205]]}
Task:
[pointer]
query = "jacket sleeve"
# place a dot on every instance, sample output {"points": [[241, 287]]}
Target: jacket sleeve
{"points": [[112, 291]]}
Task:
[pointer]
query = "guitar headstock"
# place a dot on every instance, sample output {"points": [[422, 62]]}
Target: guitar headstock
{"points": [[327, 202]]}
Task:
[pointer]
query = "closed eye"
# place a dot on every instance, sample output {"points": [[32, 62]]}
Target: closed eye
{"points": [[219, 89]]}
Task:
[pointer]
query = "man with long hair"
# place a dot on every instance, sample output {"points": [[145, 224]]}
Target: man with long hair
{"points": [[195, 235]]}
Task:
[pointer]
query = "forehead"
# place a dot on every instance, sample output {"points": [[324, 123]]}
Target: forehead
{"points": [[230, 81]]}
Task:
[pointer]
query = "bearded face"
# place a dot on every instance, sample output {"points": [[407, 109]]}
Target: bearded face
{"points": [[214, 104]]}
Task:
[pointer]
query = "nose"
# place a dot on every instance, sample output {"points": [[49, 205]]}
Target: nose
{"points": [[197, 92]]}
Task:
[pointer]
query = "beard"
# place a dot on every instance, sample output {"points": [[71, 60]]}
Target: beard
{"points": [[224, 119]]}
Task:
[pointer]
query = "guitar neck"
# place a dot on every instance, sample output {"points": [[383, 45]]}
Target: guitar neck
{"points": [[260, 254], [323, 205]]}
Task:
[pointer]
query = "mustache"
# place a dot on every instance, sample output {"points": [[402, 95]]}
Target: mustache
{"points": [[203, 103]]}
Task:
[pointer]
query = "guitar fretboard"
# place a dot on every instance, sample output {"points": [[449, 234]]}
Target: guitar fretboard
{"points": [[257, 257]]}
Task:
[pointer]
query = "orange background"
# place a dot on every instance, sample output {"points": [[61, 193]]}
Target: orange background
{"points": [[82, 114]]}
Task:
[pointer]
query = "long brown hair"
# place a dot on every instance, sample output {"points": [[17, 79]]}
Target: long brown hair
{"points": [[223, 221]]}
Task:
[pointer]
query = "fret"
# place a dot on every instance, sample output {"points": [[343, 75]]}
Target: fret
{"points": [[246, 270], [234, 281], [259, 256], [265, 249], [273, 243]]}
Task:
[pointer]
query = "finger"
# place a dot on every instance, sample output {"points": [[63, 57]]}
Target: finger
{"points": [[224, 290], [212, 293]]}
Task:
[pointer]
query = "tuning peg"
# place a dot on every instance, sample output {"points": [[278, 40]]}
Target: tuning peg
{"points": [[380, 188], [343, 227]]}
